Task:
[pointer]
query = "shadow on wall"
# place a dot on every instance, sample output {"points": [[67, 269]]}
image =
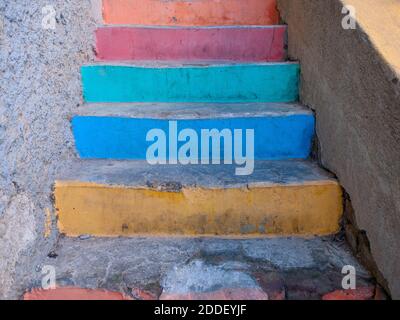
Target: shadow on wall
{"points": [[350, 77]]}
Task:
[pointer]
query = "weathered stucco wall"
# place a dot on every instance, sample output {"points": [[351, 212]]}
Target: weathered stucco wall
{"points": [[351, 79], [39, 86]]}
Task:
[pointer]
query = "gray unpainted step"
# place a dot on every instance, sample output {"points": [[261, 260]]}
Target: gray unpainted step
{"points": [[188, 111], [141, 174], [308, 268]]}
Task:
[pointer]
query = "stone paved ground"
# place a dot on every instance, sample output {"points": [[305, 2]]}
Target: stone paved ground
{"points": [[186, 268]]}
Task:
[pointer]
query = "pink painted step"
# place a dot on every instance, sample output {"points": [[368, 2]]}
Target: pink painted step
{"points": [[249, 43]]}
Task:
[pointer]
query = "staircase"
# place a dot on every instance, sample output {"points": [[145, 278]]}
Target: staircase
{"points": [[190, 221]]}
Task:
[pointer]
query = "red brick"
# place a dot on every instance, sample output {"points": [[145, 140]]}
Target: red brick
{"points": [[365, 293], [72, 293]]}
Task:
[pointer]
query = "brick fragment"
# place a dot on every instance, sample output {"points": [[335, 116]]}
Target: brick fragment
{"points": [[73, 293], [364, 293]]}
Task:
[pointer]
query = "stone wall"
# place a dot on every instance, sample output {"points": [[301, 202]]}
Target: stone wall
{"points": [[39, 86], [351, 79]]}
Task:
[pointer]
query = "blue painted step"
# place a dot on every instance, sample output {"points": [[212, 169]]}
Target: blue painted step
{"points": [[118, 131], [225, 83]]}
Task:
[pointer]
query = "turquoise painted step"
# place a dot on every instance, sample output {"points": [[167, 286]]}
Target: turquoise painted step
{"points": [[114, 131], [259, 82]]}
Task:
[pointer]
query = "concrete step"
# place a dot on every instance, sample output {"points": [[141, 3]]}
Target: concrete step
{"points": [[193, 268], [239, 43], [119, 131], [191, 13], [203, 82], [127, 198]]}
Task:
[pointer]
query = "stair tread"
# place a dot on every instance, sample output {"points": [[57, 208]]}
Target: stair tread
{"points": [[135, 43], [133, 26], [191, 110], [184, 64], [294, 267], [140, 174], [190, 82], [203, 12]]}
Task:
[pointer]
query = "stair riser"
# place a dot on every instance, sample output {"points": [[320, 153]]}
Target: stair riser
{"points": [[275, 137], [102, 210], [231, 83], [190, 13], [191, 44]]}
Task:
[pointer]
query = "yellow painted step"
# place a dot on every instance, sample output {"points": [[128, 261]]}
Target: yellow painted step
{"points": [[129, 198]]}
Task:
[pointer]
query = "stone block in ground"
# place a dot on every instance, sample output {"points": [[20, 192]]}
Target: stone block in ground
{"points": [[199, 281]]}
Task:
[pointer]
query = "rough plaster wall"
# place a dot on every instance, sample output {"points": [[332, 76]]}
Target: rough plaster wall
{"points": [[356, 96], [39, 86]]}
